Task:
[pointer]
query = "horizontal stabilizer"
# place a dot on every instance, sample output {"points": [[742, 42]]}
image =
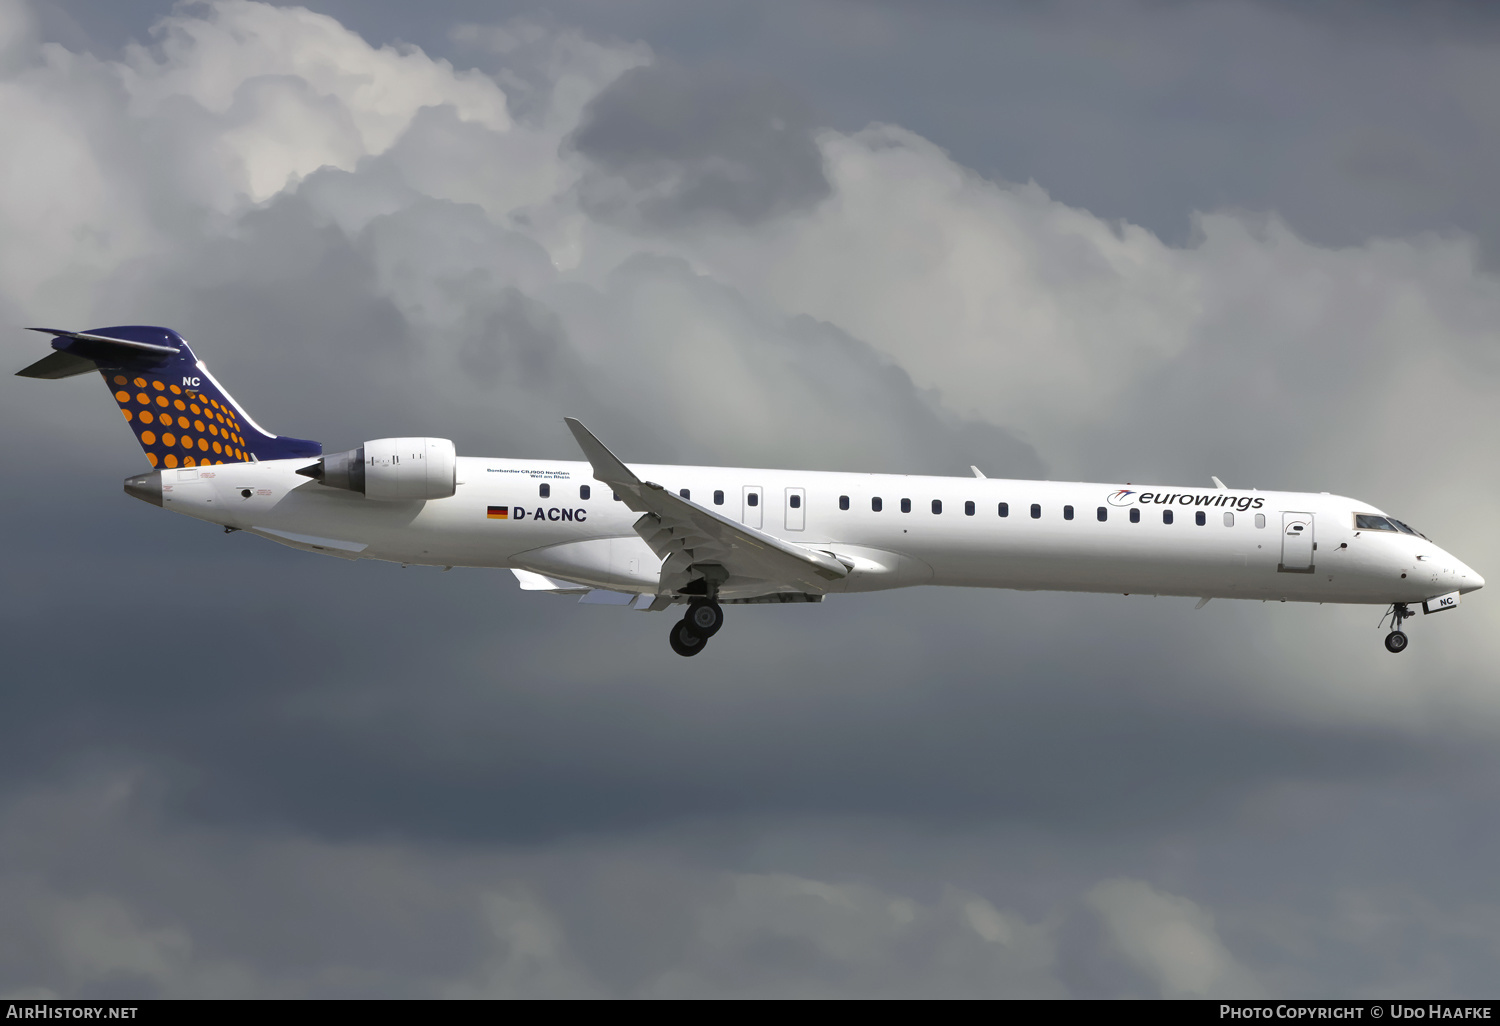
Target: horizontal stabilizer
{"points": [[109, 341], [58, 365]]}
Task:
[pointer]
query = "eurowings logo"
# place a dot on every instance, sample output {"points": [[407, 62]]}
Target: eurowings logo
{"points": [[1121, 497]]}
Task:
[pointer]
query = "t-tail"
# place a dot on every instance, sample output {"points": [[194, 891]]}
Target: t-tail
{"points": [[181, 416]]}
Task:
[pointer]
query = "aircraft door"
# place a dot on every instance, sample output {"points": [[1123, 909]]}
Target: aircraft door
{"points": [[796, 509], [752, 510], [1296, 543]]}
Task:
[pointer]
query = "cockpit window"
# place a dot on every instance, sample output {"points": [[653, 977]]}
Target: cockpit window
{"points": [[1402, 527], [1370, 522]]}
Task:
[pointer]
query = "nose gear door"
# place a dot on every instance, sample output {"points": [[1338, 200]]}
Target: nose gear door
{"points": [[1296, 543]]}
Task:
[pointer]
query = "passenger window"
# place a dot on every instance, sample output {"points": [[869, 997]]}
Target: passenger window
{"points": [[1102, 513], [1005, 509], [794, 501], [1067, 512], [686, 493], [1166, 516], [843, 502], [1135, 515], [545, 491], [968, 509], [1228, 519], [1036, 511], [937, 506], [753, 499], [877, 504], [1260, 520], [1201, 517], [718, 497], [617, 496], [583, 491], [906, 505]]}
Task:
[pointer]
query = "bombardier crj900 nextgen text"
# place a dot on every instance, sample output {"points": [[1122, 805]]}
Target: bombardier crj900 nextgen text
{"points": [[657, 536]]}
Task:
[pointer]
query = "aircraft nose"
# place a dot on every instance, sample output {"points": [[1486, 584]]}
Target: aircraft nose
{"points": [[1468, 580]]}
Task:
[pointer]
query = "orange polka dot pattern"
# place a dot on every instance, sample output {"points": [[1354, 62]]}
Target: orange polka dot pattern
{"points": [[148, 402]]}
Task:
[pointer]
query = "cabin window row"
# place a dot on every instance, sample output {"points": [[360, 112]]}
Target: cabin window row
{"points": [[877, 504]]}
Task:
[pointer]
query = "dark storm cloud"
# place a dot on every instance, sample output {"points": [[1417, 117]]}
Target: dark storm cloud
{"points": [[690, 144], [516, 337], [322, 734], [1351, 120], [232, 768]]}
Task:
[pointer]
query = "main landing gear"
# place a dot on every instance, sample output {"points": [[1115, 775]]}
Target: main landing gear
{"points": [[702, 621], [1396, 641]]}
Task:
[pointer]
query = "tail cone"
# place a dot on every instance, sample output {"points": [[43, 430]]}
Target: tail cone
{"points": [[146, 487]]}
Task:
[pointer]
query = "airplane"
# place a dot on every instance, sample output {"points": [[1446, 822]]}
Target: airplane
{"points": [[654, 537]]}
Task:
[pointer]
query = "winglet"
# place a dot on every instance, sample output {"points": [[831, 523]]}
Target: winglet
{"points": [[607, 466], [1221, 485], [977, 472]]}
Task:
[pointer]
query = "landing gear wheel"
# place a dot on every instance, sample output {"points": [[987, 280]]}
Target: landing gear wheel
{"points": [[685, 641], [704, 617], [1395, 642]]}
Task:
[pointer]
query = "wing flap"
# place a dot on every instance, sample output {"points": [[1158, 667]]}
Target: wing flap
{"points": [[531, 581], [690, 538]]}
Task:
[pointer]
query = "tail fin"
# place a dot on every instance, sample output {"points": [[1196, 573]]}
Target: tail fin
{"points": [[179, 413]]}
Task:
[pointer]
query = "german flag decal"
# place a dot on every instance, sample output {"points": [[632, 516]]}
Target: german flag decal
{"points": [[498, 513]]}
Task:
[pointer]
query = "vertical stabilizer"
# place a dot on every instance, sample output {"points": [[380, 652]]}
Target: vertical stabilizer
{"points": [[181, 416]]}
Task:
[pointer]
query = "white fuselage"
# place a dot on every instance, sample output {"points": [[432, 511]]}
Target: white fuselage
{"points": [[1258, 552]]}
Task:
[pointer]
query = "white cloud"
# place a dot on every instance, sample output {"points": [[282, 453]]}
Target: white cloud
{"points": [[1014, 306], [295, 90], [111, 160], [1172, 940], [532, 958]]}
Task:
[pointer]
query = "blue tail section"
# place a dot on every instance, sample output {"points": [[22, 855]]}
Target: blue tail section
{"points": [[179, 413]]}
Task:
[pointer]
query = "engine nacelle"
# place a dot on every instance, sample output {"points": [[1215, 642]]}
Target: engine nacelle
{"points": [[392, 469]]}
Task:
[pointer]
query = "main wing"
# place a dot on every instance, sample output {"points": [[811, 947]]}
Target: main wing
{"points": [[696, 543]]}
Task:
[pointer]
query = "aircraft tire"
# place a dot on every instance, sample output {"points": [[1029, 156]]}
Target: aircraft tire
{"points": [[1395, 642], [685, 641], [704, 617]]}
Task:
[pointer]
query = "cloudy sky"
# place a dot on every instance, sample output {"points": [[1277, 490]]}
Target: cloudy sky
{"points": [[1153, 241]]}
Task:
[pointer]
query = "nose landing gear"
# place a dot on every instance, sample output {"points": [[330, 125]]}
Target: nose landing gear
{"points": [[1396, 641]]}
